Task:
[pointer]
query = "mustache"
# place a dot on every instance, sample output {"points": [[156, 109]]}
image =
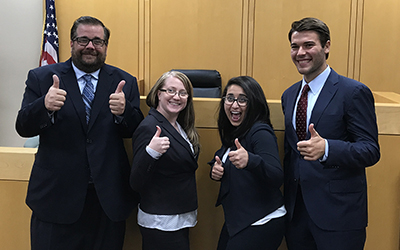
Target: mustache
{"points": [[89, 52]]}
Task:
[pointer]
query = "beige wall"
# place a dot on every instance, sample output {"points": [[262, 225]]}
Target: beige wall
{"points": [[20, 25]]}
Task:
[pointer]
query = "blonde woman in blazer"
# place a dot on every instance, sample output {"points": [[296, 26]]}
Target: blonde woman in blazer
{"points": [[165, 151]]}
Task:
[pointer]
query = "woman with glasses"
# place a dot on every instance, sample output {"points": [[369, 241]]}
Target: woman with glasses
{"points": [[249, 169], [165, 152]]}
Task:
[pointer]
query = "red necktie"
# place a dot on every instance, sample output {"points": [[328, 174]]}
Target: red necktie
{"points": [[301, 114]]}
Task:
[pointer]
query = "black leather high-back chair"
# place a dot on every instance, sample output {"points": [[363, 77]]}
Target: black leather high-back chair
{"points": [[206, 83]]}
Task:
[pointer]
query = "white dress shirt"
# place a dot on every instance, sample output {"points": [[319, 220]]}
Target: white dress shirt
{"points": [[316, 86]]}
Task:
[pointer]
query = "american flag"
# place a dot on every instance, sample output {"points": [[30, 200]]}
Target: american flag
{"points": [[50, 36]]}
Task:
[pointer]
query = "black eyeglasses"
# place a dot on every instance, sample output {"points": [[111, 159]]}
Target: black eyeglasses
{"points": [[172, 92], [241, 100], [84, 41]]}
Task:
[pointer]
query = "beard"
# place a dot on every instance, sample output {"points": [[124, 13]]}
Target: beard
{"points": [[88, 66]]}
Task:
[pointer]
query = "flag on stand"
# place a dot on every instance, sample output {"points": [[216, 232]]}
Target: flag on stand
{"points": [[49, 53]]}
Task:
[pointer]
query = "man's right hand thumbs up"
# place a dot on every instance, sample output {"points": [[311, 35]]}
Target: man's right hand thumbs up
{"points": [[55, 96], [159, 144]]}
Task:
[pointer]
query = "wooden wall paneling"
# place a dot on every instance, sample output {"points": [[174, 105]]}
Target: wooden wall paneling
{"points": [[120, 16], [141, 46], [15, 215], [354, 43], [247, 37], [383, 181], [357, 39], [273, 67], [380, 52], [195, 34], [205, 234], [15, 169], [144, 44]]}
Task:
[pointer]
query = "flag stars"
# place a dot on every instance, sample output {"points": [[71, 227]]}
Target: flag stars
{"points": [[50, 46]]}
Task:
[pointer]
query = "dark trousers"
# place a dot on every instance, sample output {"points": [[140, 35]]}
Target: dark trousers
{"points": [[264, 237], [303, 234], [93, 230], [154, 239]]}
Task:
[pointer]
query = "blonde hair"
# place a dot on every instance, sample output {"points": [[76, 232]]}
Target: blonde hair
{"points": [[186, 117]]}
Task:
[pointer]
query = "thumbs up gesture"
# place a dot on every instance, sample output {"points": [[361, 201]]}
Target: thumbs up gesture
{"points": [[117, 100], [217, 170], [314, 148], [159, 144], [55, 96], [239, 157]]}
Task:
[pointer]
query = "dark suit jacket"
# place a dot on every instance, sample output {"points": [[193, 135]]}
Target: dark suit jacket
{"points": [[69, 147], [335, 191], [249, 194], [168, 185]]}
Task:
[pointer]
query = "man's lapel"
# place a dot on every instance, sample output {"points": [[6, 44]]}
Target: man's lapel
{"points": [[325, 97], [105, 86], [69, 83]]}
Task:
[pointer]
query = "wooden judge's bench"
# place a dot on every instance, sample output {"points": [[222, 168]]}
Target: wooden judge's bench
{"points": [[383, 182]]}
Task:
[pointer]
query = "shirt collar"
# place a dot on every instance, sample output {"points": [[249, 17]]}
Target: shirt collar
{"points": [[79, 73], [318, 82]]}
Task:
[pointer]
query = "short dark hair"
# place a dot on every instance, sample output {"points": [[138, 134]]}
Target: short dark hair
{"points": [[312, 24], [257, 110], [90, 21]]}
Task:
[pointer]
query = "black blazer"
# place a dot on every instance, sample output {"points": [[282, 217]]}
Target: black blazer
{"points": [[334, 192], [168, 185], [69, 147], [249, 194]]}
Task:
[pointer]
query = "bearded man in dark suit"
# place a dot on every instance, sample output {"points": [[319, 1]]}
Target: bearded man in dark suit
{"points": [[82, 109]]}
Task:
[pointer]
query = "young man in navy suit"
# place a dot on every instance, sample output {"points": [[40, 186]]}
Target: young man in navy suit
{"points": [[331, 136], [82, 109]]}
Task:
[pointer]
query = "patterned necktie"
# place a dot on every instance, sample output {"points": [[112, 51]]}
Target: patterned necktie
{"points": [[301, 114], [88, 95]]}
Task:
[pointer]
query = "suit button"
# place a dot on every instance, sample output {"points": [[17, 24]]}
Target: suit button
{"points": [[295, 180], [90, 141]]}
